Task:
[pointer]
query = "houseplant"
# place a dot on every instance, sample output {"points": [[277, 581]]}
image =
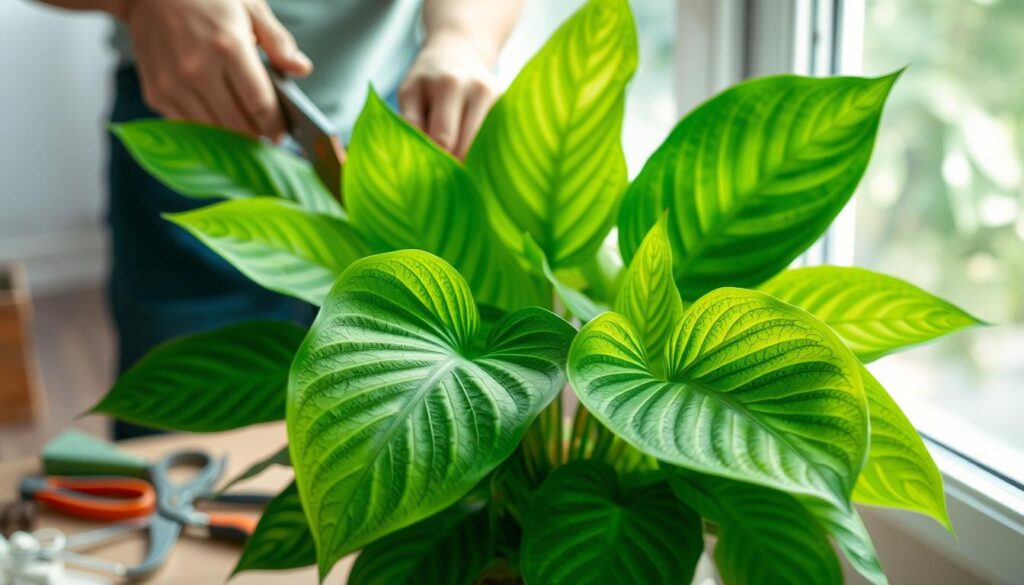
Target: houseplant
{"points": [[429, 420]]}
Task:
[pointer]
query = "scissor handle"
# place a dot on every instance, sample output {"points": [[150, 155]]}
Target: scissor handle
{"points": [[234, 527], [106, 498], [175, 498]]}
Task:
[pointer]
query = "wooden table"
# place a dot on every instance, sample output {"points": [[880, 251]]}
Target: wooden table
{"points": [[196, 560]]}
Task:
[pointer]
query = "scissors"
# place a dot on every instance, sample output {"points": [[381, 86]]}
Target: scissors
{"points": [[102, 498], [173, 510], [312, 130]]}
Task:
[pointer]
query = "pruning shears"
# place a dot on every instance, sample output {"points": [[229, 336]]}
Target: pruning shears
{"points": [[312, 130]]}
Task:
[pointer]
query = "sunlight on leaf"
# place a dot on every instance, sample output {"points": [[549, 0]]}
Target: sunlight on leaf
{"points": [[277, 245], [756, 390], [548, 156], [754, 176], [393, 412]]}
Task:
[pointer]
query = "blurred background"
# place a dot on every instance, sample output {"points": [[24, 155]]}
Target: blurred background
{"points": [[941, 206]]}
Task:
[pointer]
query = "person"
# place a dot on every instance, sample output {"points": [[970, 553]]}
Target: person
{"points": [[199, 60]]}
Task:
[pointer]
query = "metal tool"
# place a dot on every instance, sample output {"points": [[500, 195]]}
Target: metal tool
{"points": [[104, 498], [173, 509], [39, 558], [176, 501], [312, 130]]}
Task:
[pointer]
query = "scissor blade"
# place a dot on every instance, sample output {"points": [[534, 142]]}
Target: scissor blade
{"points": [[312, 130]]}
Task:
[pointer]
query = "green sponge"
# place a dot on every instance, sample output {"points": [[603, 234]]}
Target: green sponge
{"points": [[76, 453]]}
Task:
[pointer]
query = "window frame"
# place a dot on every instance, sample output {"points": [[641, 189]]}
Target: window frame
{"points": [[722, 42]]}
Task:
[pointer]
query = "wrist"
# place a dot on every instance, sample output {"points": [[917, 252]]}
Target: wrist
{"points": [[459, 39]]}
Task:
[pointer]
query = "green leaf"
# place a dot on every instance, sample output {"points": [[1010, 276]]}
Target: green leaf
{"points": [[756, 390], [899, 472], [278, 245], [403, 191], [873, 313], [204, 161], [548, 156], [602, 274], [279, 457], [282, 539], [394, 412], [754, 176], [843, 523], [451, 547], [578, 303], [764, 535], [207, 382], [543, 446], [648, 297], [589, 439], [585, 527]]}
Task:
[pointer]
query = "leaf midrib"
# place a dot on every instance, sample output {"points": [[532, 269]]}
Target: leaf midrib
{"points": [[397, 420], [745, 411], [742, 201]]}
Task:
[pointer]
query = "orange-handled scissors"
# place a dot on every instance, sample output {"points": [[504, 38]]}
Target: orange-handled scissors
{"points": [[104, 498]]}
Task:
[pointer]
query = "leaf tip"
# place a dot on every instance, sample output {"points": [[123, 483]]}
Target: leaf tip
{"points": [[93, 410]]}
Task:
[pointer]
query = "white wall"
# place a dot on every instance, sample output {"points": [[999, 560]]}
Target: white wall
{"points": [[54, 96]]}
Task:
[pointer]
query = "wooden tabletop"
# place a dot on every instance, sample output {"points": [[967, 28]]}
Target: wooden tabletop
{"points": [[195, 559]]}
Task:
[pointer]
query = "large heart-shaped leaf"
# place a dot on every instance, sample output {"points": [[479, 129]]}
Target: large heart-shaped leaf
{"points": [[586, 528], [211, 381], [449, 548], [282, 539], [205, 161], [764, 535], [754, 176], [277, 244], [755, 390], [648, 297], [548, 156], [403, 191], [899, 472], [394, 411], [873, 313]]}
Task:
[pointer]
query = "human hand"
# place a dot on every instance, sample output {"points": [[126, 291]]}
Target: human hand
{"points": [[198, 61], [448, 91]]}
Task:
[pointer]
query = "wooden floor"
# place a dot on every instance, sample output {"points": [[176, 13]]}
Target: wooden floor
{"points": [[74, 348]]}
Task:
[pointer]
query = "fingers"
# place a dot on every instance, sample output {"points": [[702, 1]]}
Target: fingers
{"points": [[412, 102], [446, 103], [251, 87], [277, 42], [479, 100], [225, 107], [447, 109], [190, 106]]}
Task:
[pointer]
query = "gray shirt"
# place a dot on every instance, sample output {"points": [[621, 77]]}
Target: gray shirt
{"points": [[353, 44]]}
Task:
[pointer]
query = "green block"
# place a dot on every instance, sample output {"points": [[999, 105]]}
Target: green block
{"points": [[74, 452]]}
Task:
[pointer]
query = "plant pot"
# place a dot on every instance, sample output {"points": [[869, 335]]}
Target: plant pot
{"points": [[17, 396]]}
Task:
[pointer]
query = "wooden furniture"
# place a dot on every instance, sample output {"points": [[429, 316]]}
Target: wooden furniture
{"points": [[17, 373], [196, 560]]}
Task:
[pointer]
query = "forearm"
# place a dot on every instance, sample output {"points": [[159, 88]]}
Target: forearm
{"points": [[113, 7], [485, 23]]}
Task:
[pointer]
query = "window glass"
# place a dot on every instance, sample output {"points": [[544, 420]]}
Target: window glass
{"points": [[942, 206]]}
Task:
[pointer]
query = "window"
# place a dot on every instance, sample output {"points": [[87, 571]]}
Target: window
{"points": [[941, 206]]}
